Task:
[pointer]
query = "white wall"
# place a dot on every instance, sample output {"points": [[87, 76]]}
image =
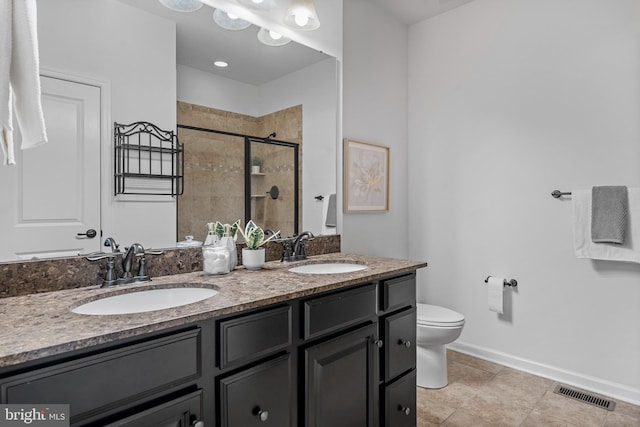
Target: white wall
{"points": [[134, 53], [315, 87], [201, 88], [375, 111], [509, 100]]}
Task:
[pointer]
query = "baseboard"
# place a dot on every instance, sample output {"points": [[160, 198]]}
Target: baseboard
{"points": [[596, 385]]}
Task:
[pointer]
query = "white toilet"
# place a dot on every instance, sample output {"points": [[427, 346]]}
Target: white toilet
{"points": [[436, 326]]}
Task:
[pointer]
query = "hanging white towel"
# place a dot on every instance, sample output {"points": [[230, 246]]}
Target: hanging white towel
{"points": [[19, 76], [586, 248]]}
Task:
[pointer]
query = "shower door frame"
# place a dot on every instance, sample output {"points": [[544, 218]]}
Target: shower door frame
{"points": [[248, 139]]}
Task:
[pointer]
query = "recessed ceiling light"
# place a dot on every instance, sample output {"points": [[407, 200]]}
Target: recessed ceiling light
{"points": [[182, 5], [221, 64]]}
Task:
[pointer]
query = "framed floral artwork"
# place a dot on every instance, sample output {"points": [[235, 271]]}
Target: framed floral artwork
{"points": [[365, 177]]}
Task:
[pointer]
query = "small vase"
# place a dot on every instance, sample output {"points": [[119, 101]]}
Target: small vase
{"points": [[255, 169], [253, 259]]}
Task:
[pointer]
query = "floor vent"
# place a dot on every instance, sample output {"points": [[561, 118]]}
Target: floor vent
{"points": [[609, 405]]}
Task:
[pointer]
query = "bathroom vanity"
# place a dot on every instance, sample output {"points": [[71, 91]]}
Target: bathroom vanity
{"points": [[273, 348]]}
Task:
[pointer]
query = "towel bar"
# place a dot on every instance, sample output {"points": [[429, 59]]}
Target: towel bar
{"points": [[511, 282]]}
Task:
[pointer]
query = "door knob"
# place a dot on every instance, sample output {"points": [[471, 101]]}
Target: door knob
{"points": [[404, 343], [89, 234]]}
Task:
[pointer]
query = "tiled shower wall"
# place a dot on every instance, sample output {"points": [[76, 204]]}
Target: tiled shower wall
{"points": [[214, 168]]}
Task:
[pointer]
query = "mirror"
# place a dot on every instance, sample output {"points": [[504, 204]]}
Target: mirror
{"points": [[144, 63]]}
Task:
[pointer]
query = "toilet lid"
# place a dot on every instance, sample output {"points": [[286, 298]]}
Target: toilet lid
{"points": [[433, 315]]}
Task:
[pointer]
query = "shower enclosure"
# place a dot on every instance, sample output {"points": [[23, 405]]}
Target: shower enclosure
{"points": [[230, 176]]}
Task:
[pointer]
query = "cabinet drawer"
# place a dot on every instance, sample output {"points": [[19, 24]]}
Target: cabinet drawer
{"points": [[250, 337], [400, 402], [180, 412], [398, 292], [338, 310], [259, 396], [93, 384], [399, 337]]}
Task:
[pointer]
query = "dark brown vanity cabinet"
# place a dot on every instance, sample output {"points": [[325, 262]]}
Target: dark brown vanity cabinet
{"points": [[340, 368], [140, 384], [254, 388], [398, 334], [340, 358]]}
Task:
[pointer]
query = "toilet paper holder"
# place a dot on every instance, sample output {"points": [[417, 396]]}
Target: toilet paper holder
{"points": [[511, 282]]}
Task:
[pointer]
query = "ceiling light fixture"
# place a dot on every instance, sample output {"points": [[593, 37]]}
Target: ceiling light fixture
{"points": [[271, 38], [221, 64], [182, 5], [229, 21], [302, 15]]}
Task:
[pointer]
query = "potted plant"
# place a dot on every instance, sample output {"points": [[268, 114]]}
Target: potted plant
{"points": [[256, 164], [253, 253]]}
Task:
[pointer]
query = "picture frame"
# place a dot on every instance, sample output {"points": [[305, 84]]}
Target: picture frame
{"points": [[365, 177]]}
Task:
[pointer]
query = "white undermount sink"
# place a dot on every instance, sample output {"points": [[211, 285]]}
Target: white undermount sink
{"points": [[143, 301], [328, 268]]}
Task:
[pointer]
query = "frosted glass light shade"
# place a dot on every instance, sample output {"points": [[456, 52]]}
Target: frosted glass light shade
{"points": [[257, 4], [271, 38], [182, 5], [229, 22], [302, 15]]}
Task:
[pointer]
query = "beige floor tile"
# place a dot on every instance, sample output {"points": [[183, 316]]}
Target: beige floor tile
{"points": [[468, 375], [620, 420], [431, 413], [468, 418], [517, 387], [570, 410], [539, 419], [628, 409], [454, 395], [473, 361], [497, 410]]}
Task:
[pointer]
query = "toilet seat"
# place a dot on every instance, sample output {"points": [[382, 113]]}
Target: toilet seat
{"points": [[433, 315]]}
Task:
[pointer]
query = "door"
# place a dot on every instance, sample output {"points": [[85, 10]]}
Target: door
{"points": [[53, 193], [341, 380]]}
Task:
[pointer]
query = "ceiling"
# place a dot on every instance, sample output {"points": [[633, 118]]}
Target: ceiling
{"points": [[200, 41], [411, 11]]}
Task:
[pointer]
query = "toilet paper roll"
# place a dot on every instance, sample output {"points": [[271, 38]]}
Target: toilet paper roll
{"points": [[495, 292]]}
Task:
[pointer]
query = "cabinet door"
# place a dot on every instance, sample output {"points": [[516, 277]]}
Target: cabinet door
{"points": [[400, 402], [399, 343], [258, 396], [340, 380], [180, 412]]}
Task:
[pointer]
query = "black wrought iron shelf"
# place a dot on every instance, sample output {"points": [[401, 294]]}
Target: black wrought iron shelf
{"points": [[143, 151]]}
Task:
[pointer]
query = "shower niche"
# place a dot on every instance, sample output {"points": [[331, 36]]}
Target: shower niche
{"points": [[230, 176]]}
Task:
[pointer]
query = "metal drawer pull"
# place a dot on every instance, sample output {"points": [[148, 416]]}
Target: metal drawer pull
{"points": [[406, 411], [379, 343], [404, 343]]}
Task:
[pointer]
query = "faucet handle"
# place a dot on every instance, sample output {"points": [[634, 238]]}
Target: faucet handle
{"points": [[97, 256], [152, 252]]}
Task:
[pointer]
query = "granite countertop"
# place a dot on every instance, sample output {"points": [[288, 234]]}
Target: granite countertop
{"points": [[40, 325]]}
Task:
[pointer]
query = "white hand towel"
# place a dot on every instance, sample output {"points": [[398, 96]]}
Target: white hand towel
{"points": [[19, 76], [586, 248]]}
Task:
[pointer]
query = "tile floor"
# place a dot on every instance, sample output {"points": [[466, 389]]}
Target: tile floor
{"points": [[485, 394]]}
